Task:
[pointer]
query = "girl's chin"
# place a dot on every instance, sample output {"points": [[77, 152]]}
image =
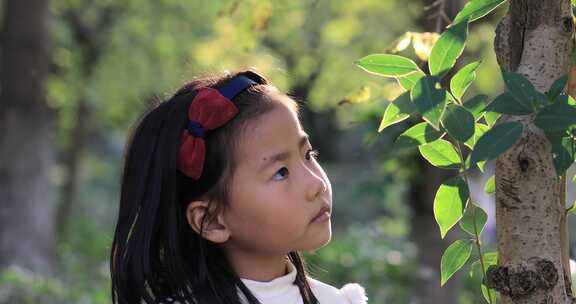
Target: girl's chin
{"points": [[320, 239]]}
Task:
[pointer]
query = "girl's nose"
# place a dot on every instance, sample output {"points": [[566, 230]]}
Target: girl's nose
{"points": [[317, 184]]}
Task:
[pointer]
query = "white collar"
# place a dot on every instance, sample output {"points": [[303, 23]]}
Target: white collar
{"points": [[276, 287]]}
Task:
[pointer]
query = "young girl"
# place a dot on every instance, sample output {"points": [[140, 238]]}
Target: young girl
{"points": [[221, 190]]}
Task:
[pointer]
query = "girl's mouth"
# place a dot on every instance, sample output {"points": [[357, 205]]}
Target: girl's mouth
{"points": [[322, 216]]}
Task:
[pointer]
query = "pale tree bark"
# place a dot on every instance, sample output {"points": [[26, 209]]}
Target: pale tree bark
{"points": [[26, 139], [534, 39]]}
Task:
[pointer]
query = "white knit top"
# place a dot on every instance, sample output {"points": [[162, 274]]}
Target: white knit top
{"points": [[282, 290]]}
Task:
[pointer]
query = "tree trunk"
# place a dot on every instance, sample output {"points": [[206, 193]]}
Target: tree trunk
{"points": [[76, 146], [26, 142], [534, 39], [91, 37]]}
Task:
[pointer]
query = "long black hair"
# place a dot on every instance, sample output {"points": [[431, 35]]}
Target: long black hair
{"points": [[156, 256]]}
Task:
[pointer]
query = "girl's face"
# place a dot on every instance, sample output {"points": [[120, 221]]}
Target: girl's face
{"points": [[280, 199]]}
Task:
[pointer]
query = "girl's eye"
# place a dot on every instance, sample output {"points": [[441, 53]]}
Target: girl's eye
{"points": [[312, 154], [281, 174]]}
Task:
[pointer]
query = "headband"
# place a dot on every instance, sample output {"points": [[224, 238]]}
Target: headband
{"points": [[210, 109]]}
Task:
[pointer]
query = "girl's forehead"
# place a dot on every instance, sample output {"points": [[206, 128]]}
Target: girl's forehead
{"points": [[276, 131]]}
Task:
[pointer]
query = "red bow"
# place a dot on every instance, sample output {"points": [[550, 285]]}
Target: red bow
{"points": [[210, 110]]}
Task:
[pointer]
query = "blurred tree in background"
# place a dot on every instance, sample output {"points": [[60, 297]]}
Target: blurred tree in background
{"points": [[109, 60], [27, 236]]}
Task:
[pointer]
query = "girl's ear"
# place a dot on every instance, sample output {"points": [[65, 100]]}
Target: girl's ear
{"points": [[215, 229]]}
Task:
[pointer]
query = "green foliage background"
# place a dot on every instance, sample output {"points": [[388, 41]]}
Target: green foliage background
{"points": [[141, 51]]}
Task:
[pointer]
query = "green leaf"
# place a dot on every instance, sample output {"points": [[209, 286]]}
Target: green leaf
{"points": [[409, 80], [505, 103], [476, 9], [496, 141], [458, 122], [565, 99], [481, 165], [572, 209], [490, 186], [448, 48], [556, 117], [562, 152], [473, 215], [557, 87], [491, 117], [469, 165], [398, 110], [449, 203], [387, 65], [479, 130], [440, 153], [430, 99], [463, 78], [521, 89], [417, 135], [476, 105], [454, 258], [490, 258], [489, 297]]}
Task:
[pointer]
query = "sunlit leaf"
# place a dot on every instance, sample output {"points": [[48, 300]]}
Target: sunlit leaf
{"points": [[454, 258], [474, 220], [463, 78], [476, 9], [479, 130], [407, 81], [448, 48], [417, 135], [449, 203], [565, 99], [490, 186], [387, 65], [491, 117], [440, 153], [398, 110], [490, 258]]}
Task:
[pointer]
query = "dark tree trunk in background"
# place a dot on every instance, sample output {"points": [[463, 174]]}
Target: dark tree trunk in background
{"points": [[425, 232], [321, 127], [91, 38], [26, 138], [73, 154], [426, 235]]}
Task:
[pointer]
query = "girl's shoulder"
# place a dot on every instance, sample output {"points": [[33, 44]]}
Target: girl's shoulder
{"points": [[351, 293]]}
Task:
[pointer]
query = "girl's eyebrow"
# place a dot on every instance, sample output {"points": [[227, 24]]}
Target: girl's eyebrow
{"points": [[267, 161]]}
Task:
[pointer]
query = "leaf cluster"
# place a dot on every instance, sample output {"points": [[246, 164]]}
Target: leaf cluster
{"points": [[453, 125]]}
